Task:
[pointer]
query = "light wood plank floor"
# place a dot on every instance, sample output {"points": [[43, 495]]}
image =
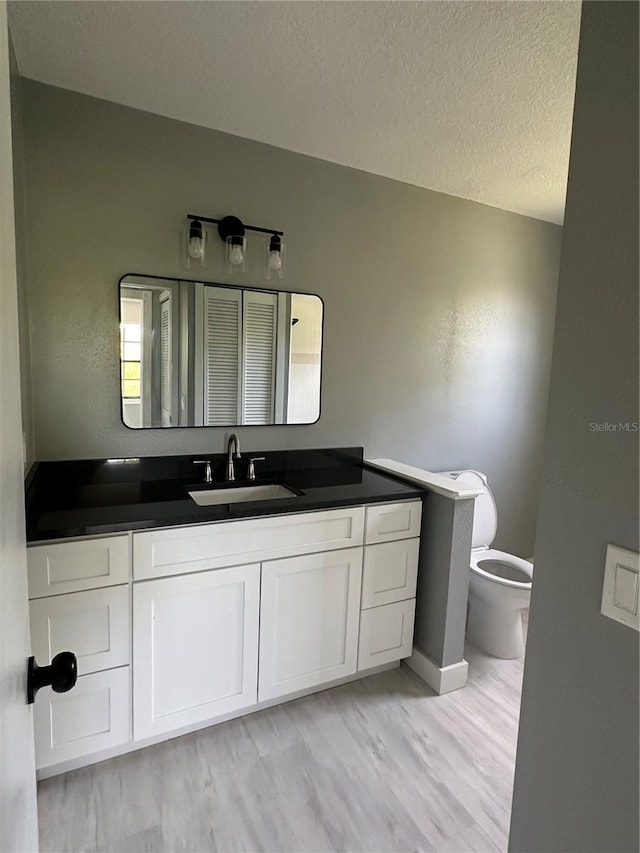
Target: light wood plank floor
{"points": [[381, 764]]}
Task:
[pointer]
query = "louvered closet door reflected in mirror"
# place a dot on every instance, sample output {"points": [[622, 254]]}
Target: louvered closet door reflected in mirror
{"points": [[259, 378], [219, 363], [238, 355], [199, 354]]}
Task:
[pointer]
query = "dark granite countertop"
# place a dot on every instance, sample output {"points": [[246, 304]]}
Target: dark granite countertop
{"points": [[99, 496]]}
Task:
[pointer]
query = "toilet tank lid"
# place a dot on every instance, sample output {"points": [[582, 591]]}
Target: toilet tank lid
{"points": [[485, 513]]}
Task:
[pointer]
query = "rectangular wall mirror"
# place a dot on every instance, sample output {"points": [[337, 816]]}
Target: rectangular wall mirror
{"points": [[202, 354]]}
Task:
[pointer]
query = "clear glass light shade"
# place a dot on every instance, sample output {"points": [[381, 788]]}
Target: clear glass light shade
{"points": [[236, 254], [274, 259], [196, 243]]}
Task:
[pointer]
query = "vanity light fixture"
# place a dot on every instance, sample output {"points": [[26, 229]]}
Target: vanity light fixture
{"points": [[195, 242], [232, 232]]}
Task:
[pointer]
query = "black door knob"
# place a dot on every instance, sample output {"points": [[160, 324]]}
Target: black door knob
{"points": [[61, 674]]}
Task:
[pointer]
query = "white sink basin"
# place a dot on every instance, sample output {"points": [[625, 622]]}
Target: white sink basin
{"points": [[213, 497]]}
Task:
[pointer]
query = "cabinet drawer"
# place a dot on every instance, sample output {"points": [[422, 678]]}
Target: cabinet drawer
{"points": [[390, 572], [309, 614], [159, 553], [73, 566], [94, 625], [393, 521], [386, 633], [93, 716]]}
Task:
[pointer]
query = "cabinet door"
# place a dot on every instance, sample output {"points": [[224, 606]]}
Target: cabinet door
{"points": [[93, 624], [95, 715], [386, 633], [309, 617], [195, 648]]}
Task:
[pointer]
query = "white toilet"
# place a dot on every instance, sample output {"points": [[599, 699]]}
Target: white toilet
{"points": [[500, 583]]}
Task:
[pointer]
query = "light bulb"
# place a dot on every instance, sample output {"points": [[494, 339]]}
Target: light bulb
{"points": [[275, 260], [196, 248], [236, 255], [195, 241]]}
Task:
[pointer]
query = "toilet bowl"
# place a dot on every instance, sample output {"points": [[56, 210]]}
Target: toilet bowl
{"points": [[500, 583]]}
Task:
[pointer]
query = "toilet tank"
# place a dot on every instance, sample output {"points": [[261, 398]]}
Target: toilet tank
{"points": [[485, 512]]}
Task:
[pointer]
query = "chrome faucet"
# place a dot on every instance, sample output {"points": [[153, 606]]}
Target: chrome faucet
{"points": [[233, 450]]}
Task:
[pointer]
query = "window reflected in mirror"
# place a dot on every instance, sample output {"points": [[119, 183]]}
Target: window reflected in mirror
{"points": [[199, 354]]}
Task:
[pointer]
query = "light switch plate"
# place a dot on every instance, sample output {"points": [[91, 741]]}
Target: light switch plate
{"points": [[621, 590]]}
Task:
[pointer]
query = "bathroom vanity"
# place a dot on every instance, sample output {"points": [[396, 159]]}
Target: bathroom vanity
{"points": [[184, 615]]}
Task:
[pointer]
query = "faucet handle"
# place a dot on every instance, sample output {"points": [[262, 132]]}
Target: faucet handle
{"points": [[208, 476], [251, 471]]}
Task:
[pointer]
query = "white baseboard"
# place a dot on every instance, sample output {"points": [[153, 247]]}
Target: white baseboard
{"points": [[442, 679]]}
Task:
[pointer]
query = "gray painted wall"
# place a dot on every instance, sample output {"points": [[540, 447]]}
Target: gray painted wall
{"points": [[576, 784], [439, 311]]}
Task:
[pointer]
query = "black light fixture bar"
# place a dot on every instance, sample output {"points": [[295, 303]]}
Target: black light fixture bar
{"points": [[247, 227]]}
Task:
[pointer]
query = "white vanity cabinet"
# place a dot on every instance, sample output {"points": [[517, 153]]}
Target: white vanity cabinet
{"points": [[80, 602], [195, 648], [389, 583], [178, 628], [309, 621]]}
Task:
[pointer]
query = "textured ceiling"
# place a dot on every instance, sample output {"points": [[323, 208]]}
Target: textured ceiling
{"points": [[473, 99]]}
